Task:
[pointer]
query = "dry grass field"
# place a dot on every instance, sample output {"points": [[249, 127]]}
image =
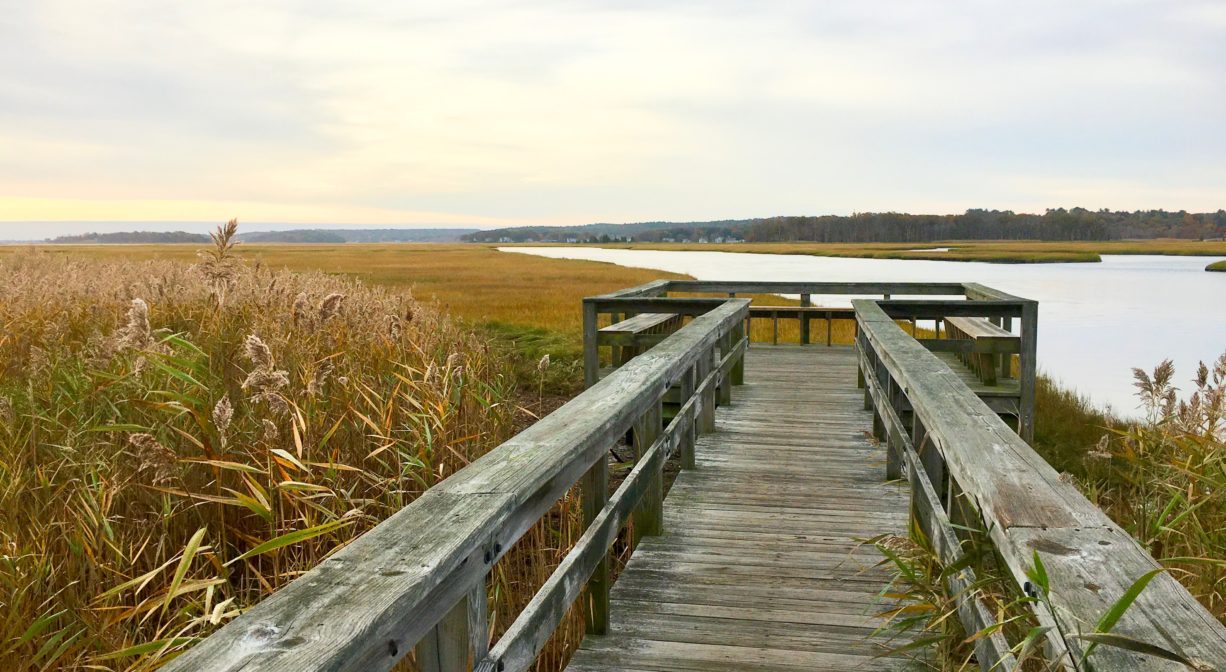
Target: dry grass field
{"points": [[473, 282], [188, 433], [176, 469]]}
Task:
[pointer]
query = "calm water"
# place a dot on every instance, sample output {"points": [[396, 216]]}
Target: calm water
{"points": [[1096, 321]]}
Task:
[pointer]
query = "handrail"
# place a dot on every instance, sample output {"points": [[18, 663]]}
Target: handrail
{"points": [[945, 434], [975, 300], [419, 576]]}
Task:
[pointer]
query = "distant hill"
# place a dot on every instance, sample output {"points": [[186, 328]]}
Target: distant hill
{"points": [[333, 236], [130, 237], [729, 230], [891, 227], [356, 236]]}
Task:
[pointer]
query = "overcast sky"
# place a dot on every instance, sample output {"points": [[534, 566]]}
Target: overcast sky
{"points": [[462, 112]]}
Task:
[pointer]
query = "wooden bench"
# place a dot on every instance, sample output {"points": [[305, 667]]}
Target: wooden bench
{"points": [[633, 335], [991, 350]]}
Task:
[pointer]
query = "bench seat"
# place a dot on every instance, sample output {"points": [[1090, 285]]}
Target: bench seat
{"points": [[992, 347]]}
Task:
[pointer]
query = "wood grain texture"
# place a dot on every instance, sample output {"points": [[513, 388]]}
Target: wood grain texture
{"points": [[367, 605], [758, 567], [1028, 509]]}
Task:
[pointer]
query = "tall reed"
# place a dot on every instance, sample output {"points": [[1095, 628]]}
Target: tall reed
{"points": [[1164, 477], [177, 441]]}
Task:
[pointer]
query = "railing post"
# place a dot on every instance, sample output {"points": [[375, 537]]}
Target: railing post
{"points": [[725, 380], [689, 432], [449, 646], [738, 368], [706, 395], [1006, 359], [591, 350], [479, 621], [594, 493], [804, 319], [1028, 366], [649, 515]]}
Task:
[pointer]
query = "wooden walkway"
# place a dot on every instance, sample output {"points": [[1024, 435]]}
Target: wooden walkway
{"points": [[759, 568]]}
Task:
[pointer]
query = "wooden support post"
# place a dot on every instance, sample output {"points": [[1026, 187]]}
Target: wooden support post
{"points": [[738, 369], [1006, 360], [479, 621], [448, 647], [829, 330], [1028, 365], [804, 320], [690, 432], [594, 493], [930, 457], [591, 351], [649, 515], [725, 381], [860, 380], [775, 328], [706, 422]]}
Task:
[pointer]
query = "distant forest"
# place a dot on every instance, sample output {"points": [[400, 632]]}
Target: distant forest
{"points": [[335, 236], [888, 227], [130, 238]]}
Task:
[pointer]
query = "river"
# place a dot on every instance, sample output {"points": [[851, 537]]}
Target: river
{"points": [[1096, 321]]}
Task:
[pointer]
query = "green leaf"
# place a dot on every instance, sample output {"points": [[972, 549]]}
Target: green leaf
{"points": [[120, 428], [1116, 612], [175, 373], [1130, 644], [38, 626], [294, 537], [185, 563], [1038, 574], [147, 647]]}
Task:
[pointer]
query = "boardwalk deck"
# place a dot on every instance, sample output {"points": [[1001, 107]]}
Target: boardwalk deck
{"points": [[759, 568]]}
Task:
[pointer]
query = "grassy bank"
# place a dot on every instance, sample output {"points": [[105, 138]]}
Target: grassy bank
{"points": [[186, 436], [995, 251], [530, 303], [113, 436], [1217, 266]]}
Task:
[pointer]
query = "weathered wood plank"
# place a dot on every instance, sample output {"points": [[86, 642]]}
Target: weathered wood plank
{"points": [[1028, 508], [366, 606], [759, 550]]}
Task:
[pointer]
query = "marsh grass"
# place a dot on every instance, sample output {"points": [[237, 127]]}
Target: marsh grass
{"points": [[1162, 478], [1217, 266], [177, 441]]}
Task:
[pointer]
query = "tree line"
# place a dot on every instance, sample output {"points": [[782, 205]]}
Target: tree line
{"points": [[892, 227]]}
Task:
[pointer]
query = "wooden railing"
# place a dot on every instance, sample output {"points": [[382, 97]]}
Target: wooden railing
{"points": [[418, 580], [973, 300], [964, 463]]}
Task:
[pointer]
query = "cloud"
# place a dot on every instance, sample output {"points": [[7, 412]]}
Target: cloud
{"points": [[604, 110]]}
